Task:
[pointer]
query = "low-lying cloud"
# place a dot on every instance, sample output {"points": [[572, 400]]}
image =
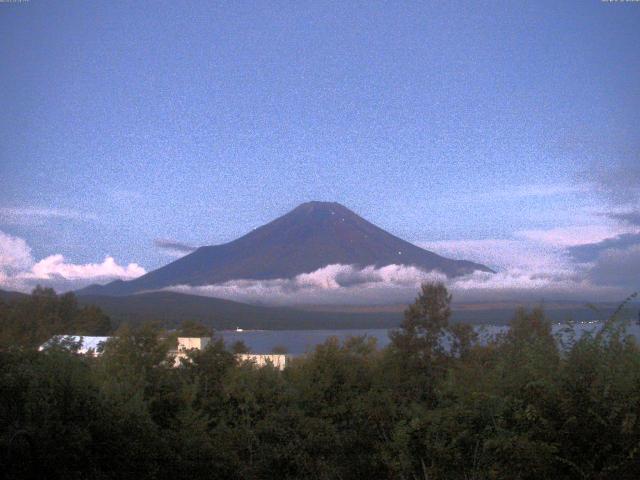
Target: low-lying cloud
{"points": [[20, 271], [348, 284], [335, 283]]}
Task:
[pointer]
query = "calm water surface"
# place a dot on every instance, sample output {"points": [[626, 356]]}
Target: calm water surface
{"points": [[303, 341]]}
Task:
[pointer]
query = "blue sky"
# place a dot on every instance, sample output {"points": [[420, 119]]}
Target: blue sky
{"points": [[442, 122]]}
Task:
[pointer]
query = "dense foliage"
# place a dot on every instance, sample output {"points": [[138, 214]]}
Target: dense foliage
{"points": [[517, 407], [29, 321]]}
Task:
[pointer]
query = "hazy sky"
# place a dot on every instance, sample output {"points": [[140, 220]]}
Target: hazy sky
{"points": [[505, 132]]}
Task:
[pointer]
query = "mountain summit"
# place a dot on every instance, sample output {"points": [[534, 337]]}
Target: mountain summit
{"points": [[311, 236]]}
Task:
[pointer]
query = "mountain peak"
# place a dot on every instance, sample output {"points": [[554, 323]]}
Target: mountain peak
{"points": [[311, 236], [316, 205]]}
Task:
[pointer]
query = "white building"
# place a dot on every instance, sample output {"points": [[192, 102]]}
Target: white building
{"points": [[90, 345], [86, 345], [189, 343], [259, 360]]}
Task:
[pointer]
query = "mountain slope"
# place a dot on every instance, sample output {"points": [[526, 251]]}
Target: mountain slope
{"points": [[311, 236], [10, 296], [172, 308]]}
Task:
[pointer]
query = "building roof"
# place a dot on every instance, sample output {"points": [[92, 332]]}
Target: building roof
{"points": [[86, 343]]}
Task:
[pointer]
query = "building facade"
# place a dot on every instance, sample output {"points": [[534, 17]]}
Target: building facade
{"points": [[91, 345], [261, 360]]}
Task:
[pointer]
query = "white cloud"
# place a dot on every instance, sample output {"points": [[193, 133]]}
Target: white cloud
{"points": [[331, 284], [30, 215], [539, 263], [56, 266], [15, 254], [536, 251], [576, 235], [19, 271], [347, 284], [500, 254]]}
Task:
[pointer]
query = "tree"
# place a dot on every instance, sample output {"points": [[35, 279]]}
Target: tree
{"points": [[417, 357], [239, 347], [90, 320], [191, 328], [425, 322], [32, 320]]}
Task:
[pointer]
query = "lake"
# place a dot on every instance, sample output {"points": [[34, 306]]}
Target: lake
{"points": [[302, 341]]}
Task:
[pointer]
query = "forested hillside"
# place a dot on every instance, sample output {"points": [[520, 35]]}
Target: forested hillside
{"points": [[521, 406]]}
